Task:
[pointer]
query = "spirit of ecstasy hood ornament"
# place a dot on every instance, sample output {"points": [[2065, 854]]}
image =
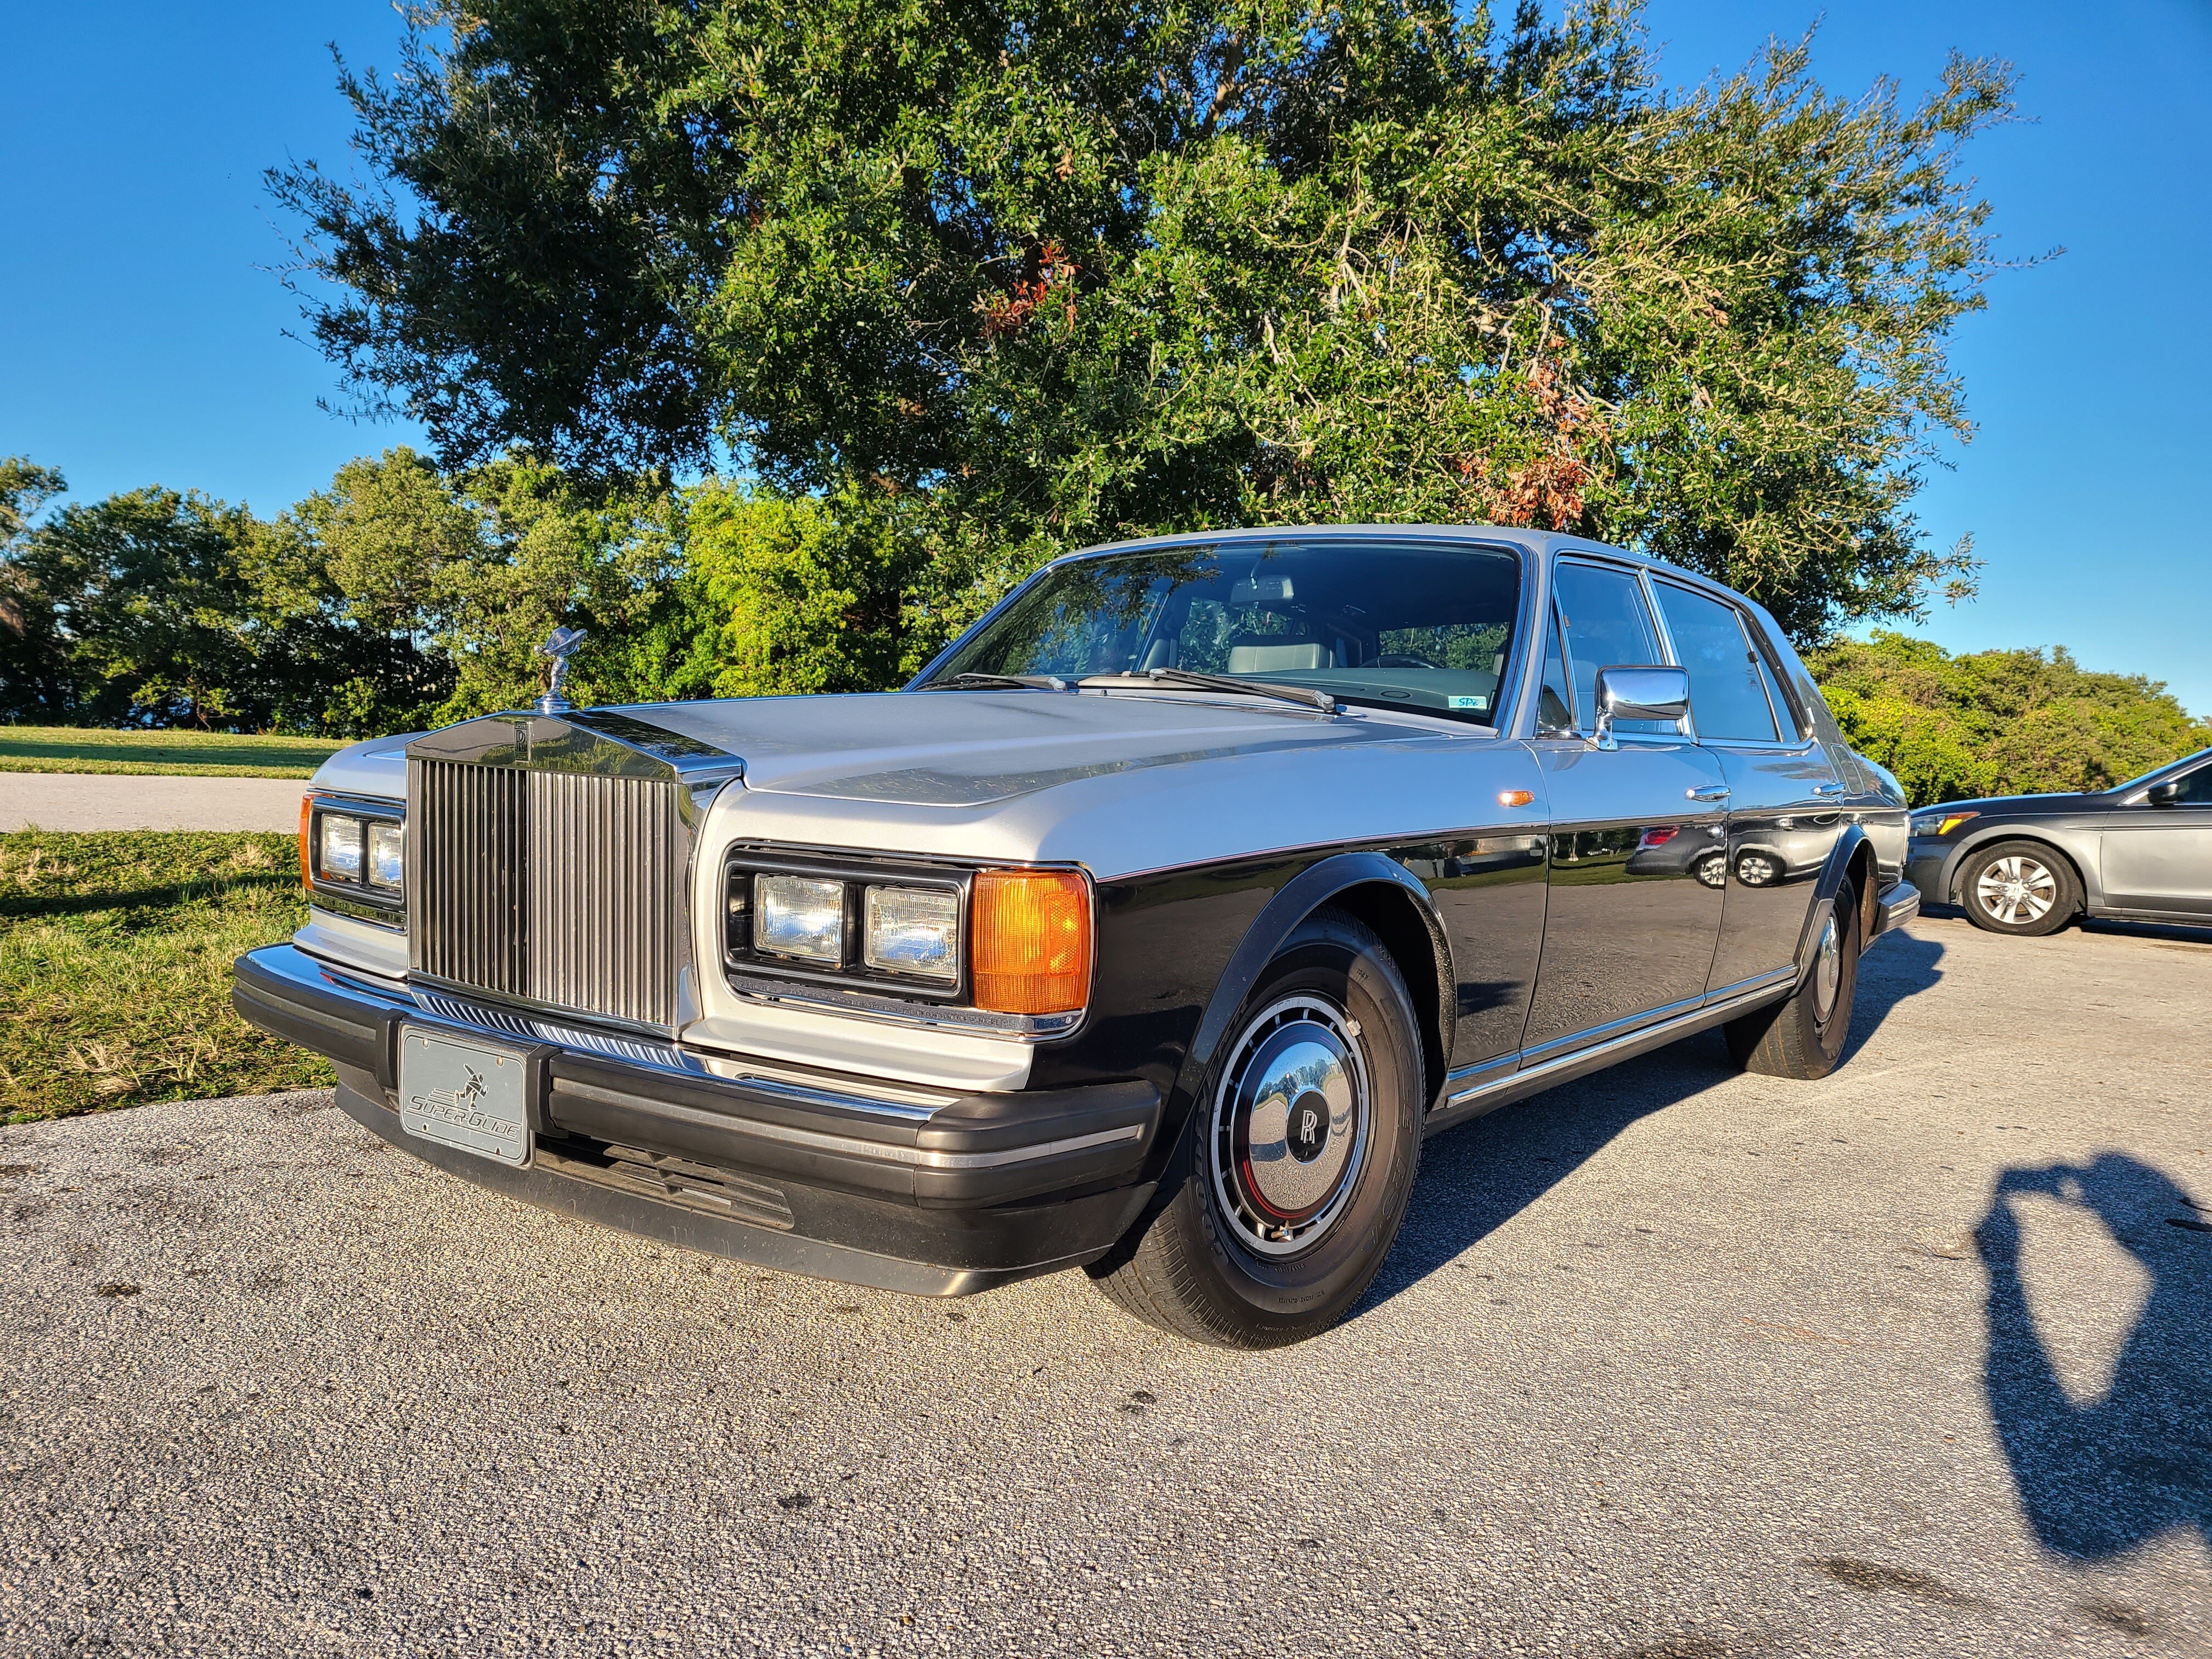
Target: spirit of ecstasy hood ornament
{"points": [[560, 645]]}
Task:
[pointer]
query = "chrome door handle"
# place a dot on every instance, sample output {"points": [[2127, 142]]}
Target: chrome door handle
{"points": [[1708, 791], [1827, 788]]}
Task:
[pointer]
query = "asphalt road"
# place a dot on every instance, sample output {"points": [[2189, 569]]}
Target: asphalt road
{"points": [[1670, 1363], [101, 800]]}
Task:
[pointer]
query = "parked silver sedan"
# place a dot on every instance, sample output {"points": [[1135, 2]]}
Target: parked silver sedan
{"points": [[1150, 930]]}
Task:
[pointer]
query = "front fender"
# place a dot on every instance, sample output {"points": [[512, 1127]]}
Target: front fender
{"points": [[1300, 897]]}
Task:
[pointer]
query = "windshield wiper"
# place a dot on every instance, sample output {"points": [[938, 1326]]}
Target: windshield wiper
{"points": [[1026, 682], [1305, 695]]}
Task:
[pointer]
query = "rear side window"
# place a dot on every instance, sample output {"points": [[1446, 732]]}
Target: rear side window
{"points": [[1606, 626], [1728, 703]]}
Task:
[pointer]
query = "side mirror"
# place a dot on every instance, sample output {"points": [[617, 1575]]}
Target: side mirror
{"points": [[1639, 693], [2164, 794]]}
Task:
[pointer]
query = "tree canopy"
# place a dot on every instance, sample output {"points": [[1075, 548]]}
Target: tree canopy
{"points": [[1998, 722], [997, 280]]}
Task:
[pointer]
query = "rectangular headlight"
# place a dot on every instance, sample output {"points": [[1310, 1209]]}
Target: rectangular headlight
{"points": [[913, 929], [341, 851], [387, 855], [793, 916]]}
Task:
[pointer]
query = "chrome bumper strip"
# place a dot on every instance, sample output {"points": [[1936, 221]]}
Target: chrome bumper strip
{"points": [[442, 1008]]}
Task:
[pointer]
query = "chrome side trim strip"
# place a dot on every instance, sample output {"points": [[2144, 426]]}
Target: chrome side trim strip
{"points": [[1596, 1036], [874, 1150], [1530, 1079], [1773, 976]]}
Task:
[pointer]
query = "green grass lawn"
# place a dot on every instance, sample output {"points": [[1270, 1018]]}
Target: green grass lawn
{"points": [[115, 954], [209, 754]]}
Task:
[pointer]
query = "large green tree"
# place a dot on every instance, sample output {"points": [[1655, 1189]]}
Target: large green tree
{"points": [[34, 678], [1009, 277], [1998, 722]]}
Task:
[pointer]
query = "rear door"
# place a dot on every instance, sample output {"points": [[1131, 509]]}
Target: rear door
{"points": [[1785, 801], [1629, 925], [2160, 857]]}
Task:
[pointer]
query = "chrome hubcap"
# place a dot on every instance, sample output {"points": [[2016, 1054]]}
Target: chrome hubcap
{"points": [[1289, 1127], [1827, 971], [2016, 889]]}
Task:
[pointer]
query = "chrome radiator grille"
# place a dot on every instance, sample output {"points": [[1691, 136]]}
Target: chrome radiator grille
{"points": [[560, 888]]}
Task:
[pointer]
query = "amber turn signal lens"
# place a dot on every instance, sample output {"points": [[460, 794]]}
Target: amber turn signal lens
{"points": [[1032, 941], [1514, 797], [306, 822]]}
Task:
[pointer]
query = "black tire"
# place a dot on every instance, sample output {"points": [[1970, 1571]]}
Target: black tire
{"points": [[2019, 887], [1200, 1264], [1796, 1038]]}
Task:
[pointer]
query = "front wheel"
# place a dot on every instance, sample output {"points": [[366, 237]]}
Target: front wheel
{"points": [[1802, 1035], [1290, 1177], [2020, 888]]}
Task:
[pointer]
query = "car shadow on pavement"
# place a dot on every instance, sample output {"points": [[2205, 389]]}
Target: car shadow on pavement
{"points": [[1477, 1177], [2098, 1479]]}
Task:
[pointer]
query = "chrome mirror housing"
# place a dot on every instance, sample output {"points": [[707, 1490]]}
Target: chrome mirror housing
{"points": [[1639, 692]]}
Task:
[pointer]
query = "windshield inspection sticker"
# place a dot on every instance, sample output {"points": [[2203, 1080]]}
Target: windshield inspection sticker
{"points": [[1466, 703]]}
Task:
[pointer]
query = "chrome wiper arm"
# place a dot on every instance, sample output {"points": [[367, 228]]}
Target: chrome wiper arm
{"points": [[1305, 695], [976, 682]]}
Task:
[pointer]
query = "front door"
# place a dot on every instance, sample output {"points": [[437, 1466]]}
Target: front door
{"points": [[2160, 857], [1633, 912]]}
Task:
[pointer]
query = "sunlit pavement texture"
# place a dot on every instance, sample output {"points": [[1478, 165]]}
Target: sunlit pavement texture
{"points": [[99, 800], [1671, 1363]]}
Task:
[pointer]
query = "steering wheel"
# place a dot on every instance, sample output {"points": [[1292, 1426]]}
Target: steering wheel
{"points": [[1403, 660]]}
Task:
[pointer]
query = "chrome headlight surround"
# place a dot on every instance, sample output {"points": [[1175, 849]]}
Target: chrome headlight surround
{"points": [[353, 856], [763, 893]]}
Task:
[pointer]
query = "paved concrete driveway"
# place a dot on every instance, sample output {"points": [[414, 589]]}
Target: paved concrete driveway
{"points": [[1670, 1363], [101, 800]]}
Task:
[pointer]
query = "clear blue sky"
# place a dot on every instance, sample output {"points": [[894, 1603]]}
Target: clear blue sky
{"points": [[142, 330]]}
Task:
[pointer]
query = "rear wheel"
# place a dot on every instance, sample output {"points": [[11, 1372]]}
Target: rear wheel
{"points": [[1802, 1035], [2019, 887], [1290, 1181]]}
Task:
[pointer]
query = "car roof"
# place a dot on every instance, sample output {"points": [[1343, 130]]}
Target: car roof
{"points": [[1534, 541]]}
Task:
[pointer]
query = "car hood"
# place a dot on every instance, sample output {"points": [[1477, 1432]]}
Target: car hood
{"points": [[2022, 805], [969, 749]]}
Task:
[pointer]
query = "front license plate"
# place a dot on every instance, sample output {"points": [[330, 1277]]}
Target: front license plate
{"points": [[464, 1094]]}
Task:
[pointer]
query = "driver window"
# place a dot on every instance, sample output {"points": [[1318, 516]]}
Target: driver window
{"points": [[2194, 789], [1606, 626]]}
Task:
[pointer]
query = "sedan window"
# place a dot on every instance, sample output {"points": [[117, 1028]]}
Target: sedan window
{"points": [[1607, 627], [1727, 701], [2193, 788]]}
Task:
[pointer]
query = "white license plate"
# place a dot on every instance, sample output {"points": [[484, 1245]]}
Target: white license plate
{"points": [[464, 1094]]}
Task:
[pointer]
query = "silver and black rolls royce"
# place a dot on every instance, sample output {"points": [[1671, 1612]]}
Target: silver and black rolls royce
{"points": [[1150, 930]]}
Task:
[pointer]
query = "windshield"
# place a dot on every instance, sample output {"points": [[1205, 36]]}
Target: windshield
{"points": [[1392, 625]]}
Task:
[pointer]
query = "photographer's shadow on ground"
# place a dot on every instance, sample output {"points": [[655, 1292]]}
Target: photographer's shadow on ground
{"points": [[2099, 1479]]}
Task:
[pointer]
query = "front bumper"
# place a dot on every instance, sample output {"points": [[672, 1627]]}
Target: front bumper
{"points": [[1927, 867], [813, 1172]]}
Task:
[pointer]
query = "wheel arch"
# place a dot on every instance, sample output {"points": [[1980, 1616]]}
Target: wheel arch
{"points": [[1852, 858], [1387, 898]]}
